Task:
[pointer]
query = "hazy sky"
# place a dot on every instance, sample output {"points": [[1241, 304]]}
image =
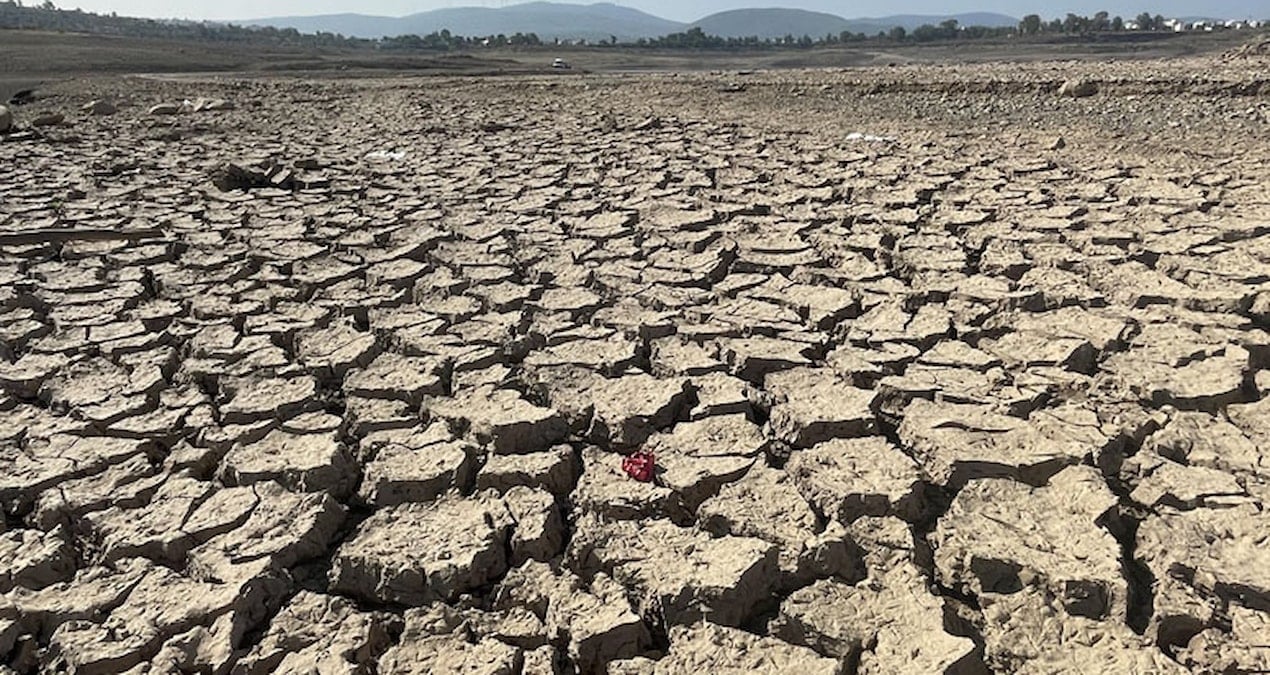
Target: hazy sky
{"points": [[681, 10]]}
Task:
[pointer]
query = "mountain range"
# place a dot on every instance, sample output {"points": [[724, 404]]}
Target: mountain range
{"points": [[602, 21]]}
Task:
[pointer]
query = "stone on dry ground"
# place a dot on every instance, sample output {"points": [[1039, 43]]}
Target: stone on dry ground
{"points": [[369, 415]]}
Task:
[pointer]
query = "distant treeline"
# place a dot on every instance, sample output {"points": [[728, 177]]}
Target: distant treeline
{"points": [[13, 15], [46, 16]]}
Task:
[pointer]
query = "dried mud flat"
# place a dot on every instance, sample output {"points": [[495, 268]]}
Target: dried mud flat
{"points": [[980, 388]]}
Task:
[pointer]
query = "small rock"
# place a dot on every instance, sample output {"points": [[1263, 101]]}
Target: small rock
{"points": [[1078, 88], [231, 176], [6, 119], [100, 108], [50, 119], [165, 109]]}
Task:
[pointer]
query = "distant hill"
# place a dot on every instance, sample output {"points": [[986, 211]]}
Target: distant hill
{"points": [[552, 20], [548, 20], [778, 22], [772, 22]]}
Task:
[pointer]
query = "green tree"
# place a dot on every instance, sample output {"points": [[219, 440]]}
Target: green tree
{"points": [[898, 33], [1030, 25]]}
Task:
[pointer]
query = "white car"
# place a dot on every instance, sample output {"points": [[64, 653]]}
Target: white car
{"points": [[561, 64]]}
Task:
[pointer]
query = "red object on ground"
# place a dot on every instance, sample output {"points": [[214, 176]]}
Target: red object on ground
{"points": [[639, 465]]}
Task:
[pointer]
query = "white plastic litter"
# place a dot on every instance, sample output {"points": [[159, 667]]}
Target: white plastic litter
{"points": [[386, 155], [870, 138]]}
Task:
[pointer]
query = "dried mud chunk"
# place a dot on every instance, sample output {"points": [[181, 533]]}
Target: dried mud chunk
{"points": [[400, 474], [1203, 440], [817, 407], [578, 303], [598, 623], [889, 624], [706, 647], [849, 478], [1172, 364], [1000, 536], [269, 399], [25, 377], [366, 416], [553, 470], [889, 322], [393, 376], [673, 356], [330, 353], [766, 505], [184, 512], [517, 627], [284, 528], [539, 533], [318, 633], [412, 554], [1102, 330], [1242, 650], [627, 410], [605, 490], [424, 654], [1028, 632], [695, 459], [957, 443], [721, 394], [1157, 482], [91, 594], [1253, 419], [610, 356], [162, 605], [501, 419], [301, 462], [34, 559], [751, 359], [683, 573], [541, 661], [128, 484], [44, 462], [1024, 350], [1219, 552]]}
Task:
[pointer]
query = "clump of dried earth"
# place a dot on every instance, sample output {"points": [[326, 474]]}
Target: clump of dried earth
{"points": [[944, 372]]}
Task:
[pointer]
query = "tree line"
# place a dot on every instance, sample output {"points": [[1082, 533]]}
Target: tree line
{"points": [[1102, 22], [46, 16]]}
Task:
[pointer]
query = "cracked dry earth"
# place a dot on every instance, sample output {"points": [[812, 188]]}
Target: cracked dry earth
{"points": [[970, 400]]}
